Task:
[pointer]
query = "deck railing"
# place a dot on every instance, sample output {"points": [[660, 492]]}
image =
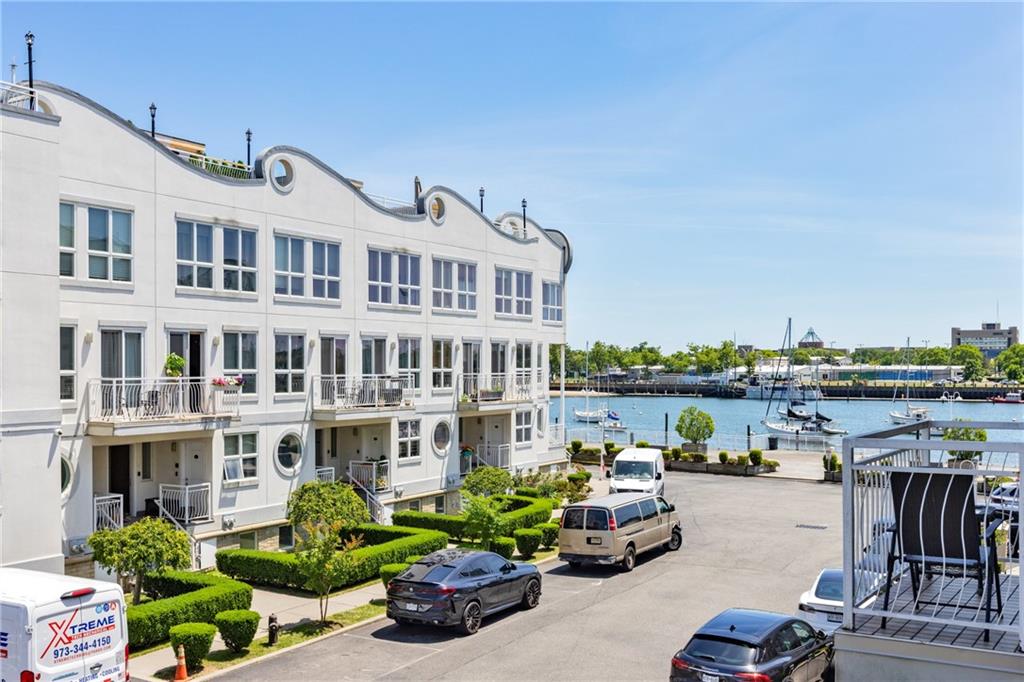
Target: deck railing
{"points": [[373, 476], [478, 388], [210, 164], [522, 385], [924, 539], [388, 202], [339, 391], [556, 434], [17, 95], [186, 503], [493, 455], [128, 400], [108, 511], [325, 474]]}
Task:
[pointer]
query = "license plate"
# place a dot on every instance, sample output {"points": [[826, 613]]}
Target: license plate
{"points": [[593, 541], [409, 606], [704, 677], [835, 618]]}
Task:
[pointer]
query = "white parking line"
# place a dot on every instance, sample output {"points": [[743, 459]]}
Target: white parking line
{"points": [[392, 641], [406, 665]]}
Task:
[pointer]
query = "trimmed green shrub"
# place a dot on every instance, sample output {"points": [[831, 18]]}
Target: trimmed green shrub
{"points": [[413, 558], [608, 447], [181, 597], [578, 477], [526, 515], [389, 571], [575, 446], [528, 492], [730, 461], [642, 444], [742, 460], [756, 457], [452, 524], [383, 545], [237, 627], [677, 454], [549, 533], [527, 541], [698, 457], [772, 464], [518, 511], [685, 457], [666, 454], [596, 452], [506, 547], [723, 456], [197, 638]]}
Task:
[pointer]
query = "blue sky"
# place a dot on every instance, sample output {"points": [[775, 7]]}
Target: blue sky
{"points": [[718, 167]]}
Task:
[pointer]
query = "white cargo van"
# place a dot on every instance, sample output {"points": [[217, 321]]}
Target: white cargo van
{"points": [[637, 470], [57, 627]]}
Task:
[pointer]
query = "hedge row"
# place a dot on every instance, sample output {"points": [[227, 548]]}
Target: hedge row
{"points": [[384, 545], [182, 597], [520, 512]]}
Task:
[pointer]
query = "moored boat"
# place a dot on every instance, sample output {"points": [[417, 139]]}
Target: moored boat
{"points": [[1011, 397]]}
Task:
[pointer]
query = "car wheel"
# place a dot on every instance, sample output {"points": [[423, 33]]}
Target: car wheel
{"points": [[471, 617], [531, 595], [629, 559], [676, 541]]}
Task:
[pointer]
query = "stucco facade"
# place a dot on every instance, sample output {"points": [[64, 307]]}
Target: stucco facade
{"points": [[127, 247]]}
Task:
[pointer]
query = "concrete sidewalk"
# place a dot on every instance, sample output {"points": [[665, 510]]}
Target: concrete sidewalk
{"points": [[291, 608]]}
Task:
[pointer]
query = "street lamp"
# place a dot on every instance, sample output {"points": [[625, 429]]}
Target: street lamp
{"points": [[524, 216], [481, 199], [152, 120], [29, 40], [248, 147]]}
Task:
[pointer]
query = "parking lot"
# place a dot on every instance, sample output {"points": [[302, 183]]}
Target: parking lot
{"points": [[747, 542]]}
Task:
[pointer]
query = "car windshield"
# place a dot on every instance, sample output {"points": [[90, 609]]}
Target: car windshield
{"points": [[726, 651], [830, 586], [641, 470]]}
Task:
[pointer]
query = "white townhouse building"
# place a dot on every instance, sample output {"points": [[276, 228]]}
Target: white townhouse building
{"points": [[325, 334]]}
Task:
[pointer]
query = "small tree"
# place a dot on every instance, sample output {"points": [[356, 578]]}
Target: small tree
{"points": [[695, 426], [147, 545], [322, 563], [488, 481], [319, 502], [965, 433], [483, 518]]}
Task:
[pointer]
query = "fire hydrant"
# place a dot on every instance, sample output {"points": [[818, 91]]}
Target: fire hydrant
{"points": [[272, 629]]}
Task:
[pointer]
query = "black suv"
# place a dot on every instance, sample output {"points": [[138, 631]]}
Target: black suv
{"points": [[754, 646], [460, 587]]}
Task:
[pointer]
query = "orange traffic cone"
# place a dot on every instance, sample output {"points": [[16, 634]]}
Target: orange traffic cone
{"points": [[181, 673]]}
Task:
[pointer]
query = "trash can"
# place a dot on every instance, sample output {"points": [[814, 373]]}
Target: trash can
{"points": [[773, 442]]}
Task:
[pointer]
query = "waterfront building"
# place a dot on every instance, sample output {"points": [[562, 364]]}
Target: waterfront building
{"points": [[991, 339], [810, 340], [324, 333]]}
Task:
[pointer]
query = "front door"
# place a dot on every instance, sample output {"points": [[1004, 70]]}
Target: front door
{"points": [[374, 445], [119, 466]]}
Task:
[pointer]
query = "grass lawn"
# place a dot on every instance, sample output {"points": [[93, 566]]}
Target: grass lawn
{"points": [[225, 658]]}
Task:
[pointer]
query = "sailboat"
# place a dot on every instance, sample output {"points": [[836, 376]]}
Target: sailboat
{"points": [[911, 413], [793, 425]]}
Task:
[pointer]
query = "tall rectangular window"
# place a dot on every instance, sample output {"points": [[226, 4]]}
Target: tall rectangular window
{"points": [[240, 456], [442, 366], [379, 276], [67, 362], [326, 270], [524, 426], [409, 361], [503, 291], [524, 293], [67, 240], [110, 245], [551, 303], [289, 363], [408, 439], [195, 255], [146, 473], [408, 279], [240, 353], [239, 259], [466, 287], [333, 350], [524, 355], [498, 358], [442, 284], [454, 285], [289, 266]]}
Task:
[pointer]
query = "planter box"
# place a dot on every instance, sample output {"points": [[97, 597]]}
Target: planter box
{"points": [[834, 476], [695, 467], [727, 469], [755, 470], [696, 447], [961, 464]]}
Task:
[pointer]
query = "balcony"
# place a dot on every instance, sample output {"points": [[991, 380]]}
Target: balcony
{"points": [[210, 164], [488, 392], [186, 504], [108, 512], [372, 476], [338, 397], [149, 406], [930, 556], [491, 455], [325, 474]]}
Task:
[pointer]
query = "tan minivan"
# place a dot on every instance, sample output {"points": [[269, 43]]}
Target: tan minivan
{"points": [[615, 528]]}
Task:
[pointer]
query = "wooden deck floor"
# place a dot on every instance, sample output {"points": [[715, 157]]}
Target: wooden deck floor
{"points": [[970, 635]]}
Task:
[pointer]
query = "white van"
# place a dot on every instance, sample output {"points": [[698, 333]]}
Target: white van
{"points": [[57, 627], [637, 470]]}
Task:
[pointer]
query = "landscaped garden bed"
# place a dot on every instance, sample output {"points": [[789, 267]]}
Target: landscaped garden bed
{"points": [[750, 464]]}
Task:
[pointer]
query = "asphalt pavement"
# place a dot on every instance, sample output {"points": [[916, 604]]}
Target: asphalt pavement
{"points": [[747, 542]]}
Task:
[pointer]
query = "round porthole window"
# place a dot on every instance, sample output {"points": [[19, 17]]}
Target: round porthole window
{"points": [[289, 453], [437, 210], [282, 174], [442, 436], [67, 476]]}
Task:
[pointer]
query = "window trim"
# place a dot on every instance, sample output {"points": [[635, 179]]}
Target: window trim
{"points": [[296, 467], [326, 277], [524, 431], [109, 254], [62, 249], [440, 372], [433, 437], [380, 284], [416, 373], [412, 289], [552, 312], [290, 371], [239, 370], [240, 268], [410, 440], [290, 274], [504, 292], [73, 371], [455, 291], [193, 263], [241, 456]]}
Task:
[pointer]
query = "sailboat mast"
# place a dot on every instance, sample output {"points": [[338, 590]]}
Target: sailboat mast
{"points": [[906, 392]]}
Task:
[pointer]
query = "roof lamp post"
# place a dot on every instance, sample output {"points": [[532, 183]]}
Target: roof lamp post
{"points": [[248, 147], [524, 216], [29, 40], [152, 120], [481, 199]]}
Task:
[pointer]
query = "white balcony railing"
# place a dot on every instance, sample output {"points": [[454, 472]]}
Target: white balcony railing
{"points": [[492, 455], [108, 511], [372, 476], [479, 388], [130, 400], [556, 434], [186, 503], [931, 534], [522, 386], [16, 95], [325, 474], [210, 164], [343, 392]]}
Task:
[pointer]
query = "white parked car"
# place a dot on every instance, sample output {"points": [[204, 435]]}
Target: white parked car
{"points": [[822, 605]]}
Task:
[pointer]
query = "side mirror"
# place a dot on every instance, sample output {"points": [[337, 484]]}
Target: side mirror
{"points": [[671, 507], [607, 473], [820, 634], [657, 476], [508, 567]]}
